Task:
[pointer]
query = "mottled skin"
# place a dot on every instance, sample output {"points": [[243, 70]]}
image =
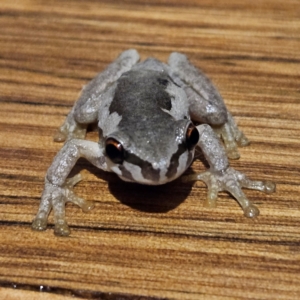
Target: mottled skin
{"points": [[144, 112]]}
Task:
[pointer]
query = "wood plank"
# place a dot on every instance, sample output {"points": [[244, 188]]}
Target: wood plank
{"points": [[150, 242]]}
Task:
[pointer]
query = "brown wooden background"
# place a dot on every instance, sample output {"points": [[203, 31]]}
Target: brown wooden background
{"points": [[150, 242]]}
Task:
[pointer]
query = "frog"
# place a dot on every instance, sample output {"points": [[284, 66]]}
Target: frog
{"points": [[151, 116]]}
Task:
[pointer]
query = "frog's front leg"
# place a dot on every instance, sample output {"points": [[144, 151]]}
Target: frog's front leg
{"points": [[221, 177], [207, 105], [58, 189], [85, 110]]}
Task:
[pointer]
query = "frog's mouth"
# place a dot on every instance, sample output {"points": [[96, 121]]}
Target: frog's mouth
{"points": [[139, 171]]}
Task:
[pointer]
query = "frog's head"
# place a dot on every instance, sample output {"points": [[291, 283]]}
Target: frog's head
{"points": [[152, 156]]}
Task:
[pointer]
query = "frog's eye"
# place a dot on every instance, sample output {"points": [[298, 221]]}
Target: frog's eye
{"points": [[114, 150], [192, 137]]}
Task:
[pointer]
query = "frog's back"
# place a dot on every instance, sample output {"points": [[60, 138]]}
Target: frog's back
{"points": [[141, 95]]}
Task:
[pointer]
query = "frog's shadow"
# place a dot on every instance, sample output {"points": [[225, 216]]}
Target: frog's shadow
{"points": [[145, 198], [148, 198]]}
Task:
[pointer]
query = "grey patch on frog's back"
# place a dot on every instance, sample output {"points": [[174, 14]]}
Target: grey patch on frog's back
{"points": [[139, 92]]}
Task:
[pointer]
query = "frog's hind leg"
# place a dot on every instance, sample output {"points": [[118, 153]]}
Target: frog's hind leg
{"points": [[85, 110], [207, 105]]}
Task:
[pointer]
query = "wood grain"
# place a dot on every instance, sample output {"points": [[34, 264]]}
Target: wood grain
{"points": [[141, 242]]}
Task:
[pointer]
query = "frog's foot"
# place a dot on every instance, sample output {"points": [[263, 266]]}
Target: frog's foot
{"points": [[56, 197], [225, 133], [232, 181], [70, 131], [232, 137], [86, 206], [241, 139]]}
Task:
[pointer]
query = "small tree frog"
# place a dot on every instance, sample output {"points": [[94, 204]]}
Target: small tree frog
{"points": [[145, 113]]}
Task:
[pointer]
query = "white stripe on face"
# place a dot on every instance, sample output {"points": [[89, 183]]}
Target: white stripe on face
{"points": [[134, 173]]}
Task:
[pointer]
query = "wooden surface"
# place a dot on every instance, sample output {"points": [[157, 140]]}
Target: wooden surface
{"points": [[141, 242]]}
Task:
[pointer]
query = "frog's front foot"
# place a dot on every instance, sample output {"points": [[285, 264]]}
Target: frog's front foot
{"points": [[55, 197], [232, 181]]}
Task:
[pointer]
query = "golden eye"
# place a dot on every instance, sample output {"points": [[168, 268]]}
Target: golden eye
{"points": [[114, 150], [192, 137]]}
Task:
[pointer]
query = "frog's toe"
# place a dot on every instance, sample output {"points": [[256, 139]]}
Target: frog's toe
{"points": [[39, 224], [62, 229], [72, 181], [87, 206], [251, 211], [60, 136], [211, 200], [232, 151], [242, 140], [269, 187]]}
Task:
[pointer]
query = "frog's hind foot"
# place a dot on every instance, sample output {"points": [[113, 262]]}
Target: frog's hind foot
{"points": [[226, 134], [67, 132], [232, 137], [241, 139]]}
